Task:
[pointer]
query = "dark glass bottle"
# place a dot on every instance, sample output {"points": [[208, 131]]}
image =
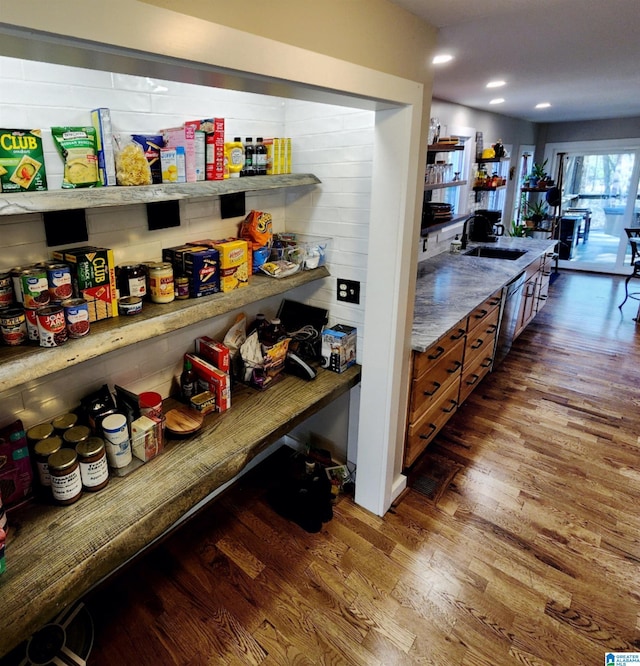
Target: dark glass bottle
{"points": [[260, 158], [273, 333], [249, 157], [258, 324], [188, 381]]}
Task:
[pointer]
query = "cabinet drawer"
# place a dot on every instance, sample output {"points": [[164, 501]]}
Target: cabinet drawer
{"points": [[422, 431], [430, 385], [473, 374], [427, 360], [478, 315], [481, 341]]}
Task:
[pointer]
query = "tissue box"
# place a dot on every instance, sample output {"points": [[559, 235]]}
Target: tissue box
{"points": [[339, 347]]}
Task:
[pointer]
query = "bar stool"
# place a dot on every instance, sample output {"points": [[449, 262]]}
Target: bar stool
{"points": [[635, 294]]}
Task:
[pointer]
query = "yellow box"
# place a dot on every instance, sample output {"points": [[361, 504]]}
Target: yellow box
{"points": [[234, 264]]}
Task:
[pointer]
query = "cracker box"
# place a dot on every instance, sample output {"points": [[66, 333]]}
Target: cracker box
{"points": [[93, 274], [21, 161], [202, 267], [212, 379], [338, 347], [213, 351], [234, 264]]}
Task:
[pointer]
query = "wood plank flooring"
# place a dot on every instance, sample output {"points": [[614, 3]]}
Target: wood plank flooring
{"points": [[531, 557]]}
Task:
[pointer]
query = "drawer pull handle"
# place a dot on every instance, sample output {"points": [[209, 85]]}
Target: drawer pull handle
{"points": [[458, 335], [487, 362], [543, 297], [433, 429], [481, 313], [437, 354], [436, 386], [494, 301], [473, 379], [454, 404], [456, 366], [479, 342], [492, 329]]}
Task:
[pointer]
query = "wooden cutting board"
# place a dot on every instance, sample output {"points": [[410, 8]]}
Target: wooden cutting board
{"points": [[183, 420]]}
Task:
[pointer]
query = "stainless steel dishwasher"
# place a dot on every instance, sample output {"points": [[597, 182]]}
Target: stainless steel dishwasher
{"points": [[511, 298]]}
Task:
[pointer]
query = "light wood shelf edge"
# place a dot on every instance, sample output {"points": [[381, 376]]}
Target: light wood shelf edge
{"points": [[27, 362], [99, 197], [57, 554]]}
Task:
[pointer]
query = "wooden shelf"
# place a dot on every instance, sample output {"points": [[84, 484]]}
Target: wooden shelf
{"points": [[28, 362], [444, 148], [56, 554], [493, 160], [489, 189], [442, 186], [99, 197], [535, 189]]}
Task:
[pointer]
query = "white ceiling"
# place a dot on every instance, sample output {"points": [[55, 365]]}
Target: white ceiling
{"points": [[582, 56]]}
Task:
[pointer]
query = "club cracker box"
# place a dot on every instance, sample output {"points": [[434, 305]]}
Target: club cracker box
{"points": [[202, 267], [21, 161], [214, 145], [213, 351], [212, 379], [93, 275], [185, 137], [101, 120]]}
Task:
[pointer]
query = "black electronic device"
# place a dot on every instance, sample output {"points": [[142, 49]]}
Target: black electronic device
{"points": [[294, 365], [304, 323]]}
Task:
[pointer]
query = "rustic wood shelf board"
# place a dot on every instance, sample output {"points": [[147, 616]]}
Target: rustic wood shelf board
{"points": [[28, 362], [56, 554], [99, 197]]}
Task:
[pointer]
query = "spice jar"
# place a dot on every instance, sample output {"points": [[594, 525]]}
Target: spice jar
{"points": [[73, 436], [66, 482], [92, 459], [161, 282], [116, 435], [42, 450]]}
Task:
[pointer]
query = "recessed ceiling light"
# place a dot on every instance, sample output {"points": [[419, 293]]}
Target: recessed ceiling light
{"points": [[441, 59], [496, 84], [497, 100], [543, 105]]}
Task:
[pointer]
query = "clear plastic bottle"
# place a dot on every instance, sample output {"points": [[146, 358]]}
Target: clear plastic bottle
{"points": [[260, 158], [249, 154]]}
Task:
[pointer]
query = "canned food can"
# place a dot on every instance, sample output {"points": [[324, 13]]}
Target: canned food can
{"points": [[76, 315], [33, 333], [130, 305], [35, 288], [51, 326], [13, 326], [59, 281], [16, 278], [6, 290]]}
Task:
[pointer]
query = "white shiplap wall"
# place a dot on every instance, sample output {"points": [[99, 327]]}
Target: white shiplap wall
{"points": [[335, 143]]}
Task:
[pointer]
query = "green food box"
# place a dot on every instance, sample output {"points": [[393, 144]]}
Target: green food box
{"points": [[21, 161]]}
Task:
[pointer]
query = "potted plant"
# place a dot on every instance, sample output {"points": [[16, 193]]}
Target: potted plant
{"points": [[537, 174], [537, 212]]}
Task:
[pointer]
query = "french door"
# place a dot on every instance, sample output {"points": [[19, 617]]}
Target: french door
{"points": [[600, 199]]}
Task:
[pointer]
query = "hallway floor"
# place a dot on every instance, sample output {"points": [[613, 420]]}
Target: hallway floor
{"points": [[531, 556]]}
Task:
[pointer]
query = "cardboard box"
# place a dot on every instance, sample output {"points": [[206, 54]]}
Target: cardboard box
{"points": [[338, 347], [185, 137], [175, 255], [101, 120], [234, 264], [214, 146], [147, 438], [21, 161], [93, 274], [16, 474], [213, 351], [212, 379], [202, 267]]}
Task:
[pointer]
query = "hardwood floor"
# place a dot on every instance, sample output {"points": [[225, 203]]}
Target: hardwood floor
{"points": [[531, 557]]}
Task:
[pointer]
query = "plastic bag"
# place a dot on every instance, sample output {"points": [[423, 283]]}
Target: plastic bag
{"points": [[78, 148], [256, 228], [132, 167]]}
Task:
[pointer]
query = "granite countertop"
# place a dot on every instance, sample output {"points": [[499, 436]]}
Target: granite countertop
{"points": [[449, 286]]}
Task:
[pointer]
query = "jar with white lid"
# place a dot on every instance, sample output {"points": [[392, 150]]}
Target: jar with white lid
{"points": [[116, 436], [161, 283]]}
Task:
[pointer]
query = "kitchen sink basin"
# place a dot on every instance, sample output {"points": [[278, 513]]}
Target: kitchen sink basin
{"points": [[495, 252]]}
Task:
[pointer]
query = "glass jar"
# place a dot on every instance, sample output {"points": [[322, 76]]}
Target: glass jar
{"points": [[73, 436], [92, 458], [66, 482], [161, 283], [64, 422], [42, 450]]}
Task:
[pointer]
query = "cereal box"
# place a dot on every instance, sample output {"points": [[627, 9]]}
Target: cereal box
{"points": [[214, 131], [93, 274], [234, 264], [21, 161]]}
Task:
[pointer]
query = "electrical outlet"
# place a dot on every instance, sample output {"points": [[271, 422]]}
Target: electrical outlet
{"points": [[349, 291]]}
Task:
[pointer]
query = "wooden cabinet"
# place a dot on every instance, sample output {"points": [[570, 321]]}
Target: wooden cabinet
{"points": [[535, 291], [464, 354], [544, 277]]}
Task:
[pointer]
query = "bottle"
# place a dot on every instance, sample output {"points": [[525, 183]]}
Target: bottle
{"points": [[272, 333], [258, 324], [249, 153], [235, 150], [456, 245], [188, 381], [260, 158]]}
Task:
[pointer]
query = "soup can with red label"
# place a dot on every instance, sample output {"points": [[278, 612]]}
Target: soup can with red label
{"points": [[76, 314], [59, 280], [33, 333], [52, 326], [35, 288], [6, 290]]}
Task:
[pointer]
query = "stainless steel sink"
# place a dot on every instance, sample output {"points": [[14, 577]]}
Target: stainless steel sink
{"points": [[495, 252]]}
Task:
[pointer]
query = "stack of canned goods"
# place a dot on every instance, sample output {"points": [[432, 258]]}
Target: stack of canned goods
{"points": [[36, 304]]}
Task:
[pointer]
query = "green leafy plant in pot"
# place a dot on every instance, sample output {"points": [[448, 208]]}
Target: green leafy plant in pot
{"points": [[537, 212], [538, 173]]}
